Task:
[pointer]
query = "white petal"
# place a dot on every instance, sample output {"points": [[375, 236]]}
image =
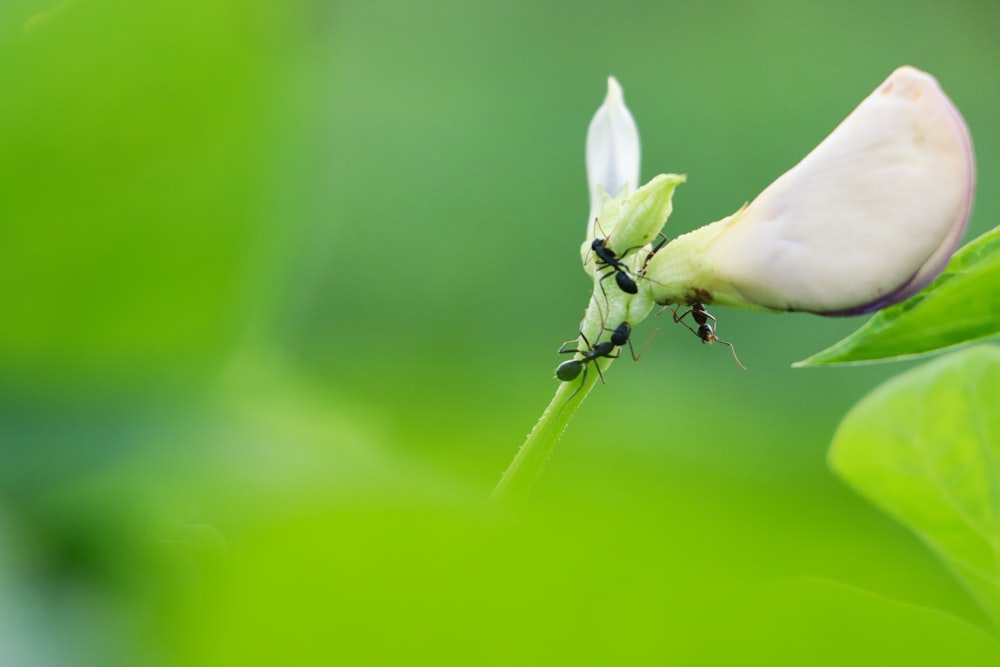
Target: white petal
{"points": [[868, 217], [612, 148]]}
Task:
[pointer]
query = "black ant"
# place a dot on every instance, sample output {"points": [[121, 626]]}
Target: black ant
{"points": [[570, 370], [607, 257], [706, 331]]}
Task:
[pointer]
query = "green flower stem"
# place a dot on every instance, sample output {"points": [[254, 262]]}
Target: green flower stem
{"points": [[537, 448], [635, 220]]}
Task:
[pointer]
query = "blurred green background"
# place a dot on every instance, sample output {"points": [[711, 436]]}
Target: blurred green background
{"points": [[282, 286]]}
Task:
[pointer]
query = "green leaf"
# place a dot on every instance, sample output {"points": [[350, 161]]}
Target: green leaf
{"points": [[925, 448], [960, 306]]}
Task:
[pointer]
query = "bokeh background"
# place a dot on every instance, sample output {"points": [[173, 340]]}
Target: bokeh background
{"points": [[282, 285]]}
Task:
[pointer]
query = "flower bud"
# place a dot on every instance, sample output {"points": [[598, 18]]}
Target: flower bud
{"points": [[612, 153], [867, 219]]}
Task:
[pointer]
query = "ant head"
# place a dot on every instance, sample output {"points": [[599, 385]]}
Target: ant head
{"points": [[707, 334], [621, 334], [597, 244], [569, 370]]}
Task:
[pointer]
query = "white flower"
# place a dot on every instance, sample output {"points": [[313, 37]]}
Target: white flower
{"points": [[612, 153], [626, 217], [865, 220]]}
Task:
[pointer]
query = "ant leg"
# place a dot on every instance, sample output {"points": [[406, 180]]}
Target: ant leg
{"points": [[603, 314], [598, 366], [605, 276], [663, 241], [627, 251], [636, 357], [600, 373], [733, 350], [652, 251], [578, 388], [563, 350], [678, 318], [600, 283], [613, 271]]}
